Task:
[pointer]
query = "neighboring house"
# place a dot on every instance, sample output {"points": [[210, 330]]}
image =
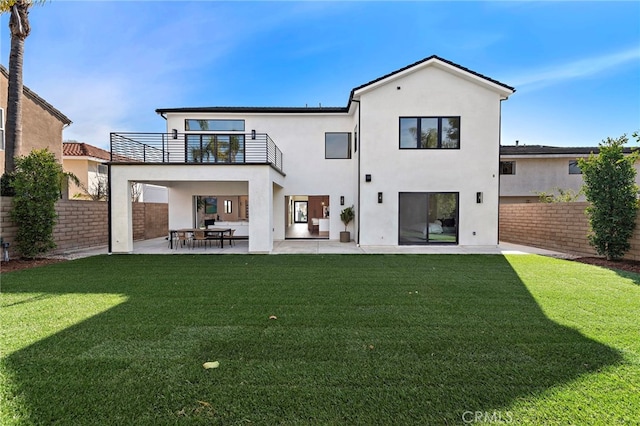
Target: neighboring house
{"points": [[415, 151], [42, 124], [89, 164], [526, 170]]}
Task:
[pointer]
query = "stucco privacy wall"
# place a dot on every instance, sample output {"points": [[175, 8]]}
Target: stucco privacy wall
{"points": [[554, 226], [83, 224]]}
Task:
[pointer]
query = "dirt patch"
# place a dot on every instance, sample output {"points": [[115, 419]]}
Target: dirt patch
{"points": [[19, 264], [623, 265]]}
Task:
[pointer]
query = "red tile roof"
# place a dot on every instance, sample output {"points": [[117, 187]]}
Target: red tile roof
{"points": [[80, 149]]}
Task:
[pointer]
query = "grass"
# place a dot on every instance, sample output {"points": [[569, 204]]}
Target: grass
{"points": [[362, 339]]}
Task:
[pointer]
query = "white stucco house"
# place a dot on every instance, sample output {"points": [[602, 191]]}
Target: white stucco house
{"points": [[416, 152], [526, 170]]}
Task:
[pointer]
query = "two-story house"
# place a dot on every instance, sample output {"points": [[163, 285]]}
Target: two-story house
{"points": [[42, 124], [416, 152]]}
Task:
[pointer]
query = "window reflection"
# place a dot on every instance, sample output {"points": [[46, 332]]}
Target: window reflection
{"points": [[428, 218]]}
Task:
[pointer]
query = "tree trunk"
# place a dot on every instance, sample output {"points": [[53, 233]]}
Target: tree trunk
{"points": [[19, 26]]}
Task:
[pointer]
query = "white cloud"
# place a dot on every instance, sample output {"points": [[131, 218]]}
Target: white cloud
{"points": [[582, 68]]}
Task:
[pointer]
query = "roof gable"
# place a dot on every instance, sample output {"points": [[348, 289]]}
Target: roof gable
{"points": [[38, 100], [440, 63]]}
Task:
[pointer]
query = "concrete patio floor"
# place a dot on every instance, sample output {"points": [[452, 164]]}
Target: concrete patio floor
{"points": [[161, 246]]}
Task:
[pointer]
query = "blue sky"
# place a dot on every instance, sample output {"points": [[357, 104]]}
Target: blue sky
{"points": [[109, 65]]}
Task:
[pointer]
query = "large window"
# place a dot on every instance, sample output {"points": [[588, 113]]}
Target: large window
{"points": [[428, 218], [215, 149], [429, 132], [507, 167], [337, 145], [214, 125]]}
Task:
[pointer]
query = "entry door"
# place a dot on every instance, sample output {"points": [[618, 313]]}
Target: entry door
{"points": [[300, 211]]}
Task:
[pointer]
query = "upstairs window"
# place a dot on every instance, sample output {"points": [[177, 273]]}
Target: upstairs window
{"points": [[429, 132], [507, 167], [574, 168], [214, 125], [337, 145], [103, 169]]}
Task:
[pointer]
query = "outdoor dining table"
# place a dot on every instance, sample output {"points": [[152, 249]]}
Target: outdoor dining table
{"points": [[211, 233]]}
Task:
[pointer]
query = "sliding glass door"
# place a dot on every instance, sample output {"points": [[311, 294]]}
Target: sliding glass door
{"points": [[428, 218]]}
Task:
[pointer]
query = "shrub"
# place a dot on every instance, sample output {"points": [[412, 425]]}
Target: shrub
{"points": [[37, 188], [609, 185]]}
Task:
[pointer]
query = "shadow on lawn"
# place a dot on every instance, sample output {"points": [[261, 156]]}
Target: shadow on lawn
{"points": [[359, 339]]}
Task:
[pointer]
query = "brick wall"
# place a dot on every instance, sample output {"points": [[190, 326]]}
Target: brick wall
{"points": [[554, 226], [83, 224], [150, 220]]}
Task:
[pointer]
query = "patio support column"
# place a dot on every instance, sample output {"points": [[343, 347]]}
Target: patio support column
{"points": [[121, 213], [261, 215]]}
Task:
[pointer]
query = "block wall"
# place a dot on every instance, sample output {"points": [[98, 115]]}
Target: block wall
{"points": [[560, 227], [83, 224]]}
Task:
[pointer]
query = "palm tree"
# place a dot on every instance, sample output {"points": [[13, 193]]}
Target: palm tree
{"points": [[20, 29]]}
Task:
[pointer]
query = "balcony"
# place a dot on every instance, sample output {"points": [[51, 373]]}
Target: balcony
{"points": [[195, 148]]}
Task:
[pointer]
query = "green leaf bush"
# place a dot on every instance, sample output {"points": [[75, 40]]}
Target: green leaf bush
{"points": [[609, 185], [36, 183]]}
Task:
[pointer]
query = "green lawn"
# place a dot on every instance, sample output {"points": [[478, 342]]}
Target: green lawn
{"points": [[358, 339]]}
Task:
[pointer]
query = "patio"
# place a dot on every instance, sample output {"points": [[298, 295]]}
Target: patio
{"points": [[161, 246]]}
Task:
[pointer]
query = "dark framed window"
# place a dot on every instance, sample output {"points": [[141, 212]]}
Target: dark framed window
{"points": [[507, 167], [337, 145], [214, 148], [228, 206], [429, 132], [574, 168], [102, 169], [428, 218], [214, 125]]}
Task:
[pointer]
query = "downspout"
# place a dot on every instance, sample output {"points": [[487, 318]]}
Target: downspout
{"points": [[109, 251], [499, 145], [358, 175]]}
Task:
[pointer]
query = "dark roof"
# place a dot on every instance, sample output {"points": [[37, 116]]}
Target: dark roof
{"points": [[327, 109], [284, 110], [80, 149], [38, 100], [546, 150]]}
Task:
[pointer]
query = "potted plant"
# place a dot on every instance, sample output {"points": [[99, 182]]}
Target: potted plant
{"points": [[346, 216]]}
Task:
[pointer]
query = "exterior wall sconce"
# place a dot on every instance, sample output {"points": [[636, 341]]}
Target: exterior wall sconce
{"points": [[342, 200], [379, 197], [175, 133], [253, 134], [367, 178], [479, 197]]}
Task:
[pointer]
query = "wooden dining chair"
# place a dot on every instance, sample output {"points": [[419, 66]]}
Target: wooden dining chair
{"points": [[200, 237], [229, 237], [183, 239]]}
